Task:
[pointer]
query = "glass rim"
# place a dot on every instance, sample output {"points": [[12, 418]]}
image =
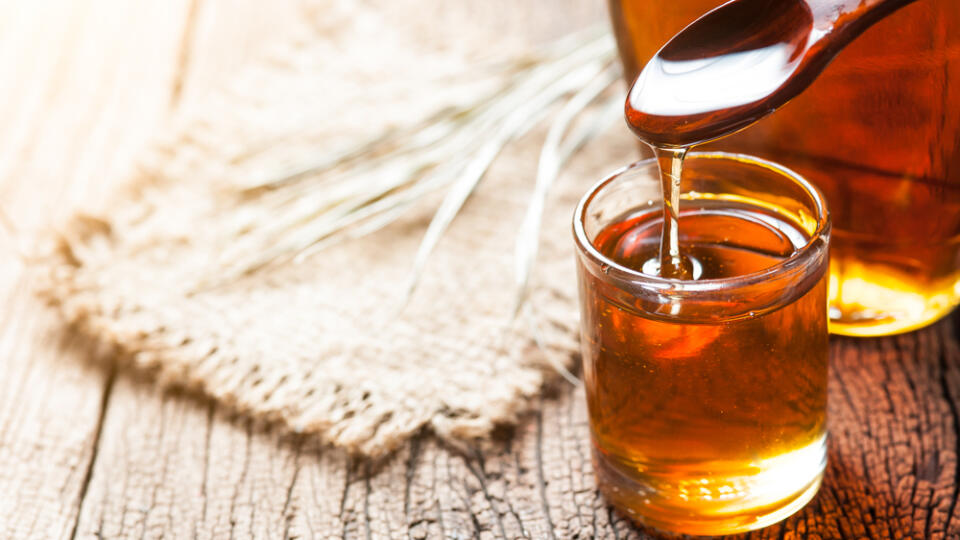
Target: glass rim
{"points": [[586, 247]]}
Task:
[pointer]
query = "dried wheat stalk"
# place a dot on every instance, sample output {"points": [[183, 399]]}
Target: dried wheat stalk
{"points": [[357, 191]]}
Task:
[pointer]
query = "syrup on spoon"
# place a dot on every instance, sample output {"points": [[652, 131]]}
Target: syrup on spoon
{"points": [[739, 63]]}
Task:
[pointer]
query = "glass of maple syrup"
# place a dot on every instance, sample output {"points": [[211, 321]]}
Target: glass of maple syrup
{"points": [[707, 394]]}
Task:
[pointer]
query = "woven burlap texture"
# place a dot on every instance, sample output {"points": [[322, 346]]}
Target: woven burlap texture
{"points": [[320, 344]]}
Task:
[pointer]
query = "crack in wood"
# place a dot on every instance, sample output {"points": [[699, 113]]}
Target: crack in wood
{"points": [[343, 497], [436, 499], [480, 475], [97, 433], [541, 481], [443, 529], [408, 474], [463, 491], [165, 460], [611, 518], [208, 434], [474, 518], [243, 476], [286, 513], [568, 424], [366, 501], [948, 367], [515, 462]]}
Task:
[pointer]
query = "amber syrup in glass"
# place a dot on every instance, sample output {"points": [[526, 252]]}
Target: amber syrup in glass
{"points": [[707, 428]]}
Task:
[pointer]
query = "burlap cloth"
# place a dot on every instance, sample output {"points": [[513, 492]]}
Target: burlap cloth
{"points": [[320, 345]]}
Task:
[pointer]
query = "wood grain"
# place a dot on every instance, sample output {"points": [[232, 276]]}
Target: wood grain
{"points": [[83, 87], [86, 452], [66, 123], [892, 471]]}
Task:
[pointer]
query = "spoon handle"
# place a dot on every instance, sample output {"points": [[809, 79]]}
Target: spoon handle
{"points": [[844, 20]]}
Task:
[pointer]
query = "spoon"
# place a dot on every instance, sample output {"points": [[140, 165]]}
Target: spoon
{"points": [[739, 63]]}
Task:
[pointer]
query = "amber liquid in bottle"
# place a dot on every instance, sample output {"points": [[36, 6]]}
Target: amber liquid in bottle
{"points": [[695, 422], [879, 133]]}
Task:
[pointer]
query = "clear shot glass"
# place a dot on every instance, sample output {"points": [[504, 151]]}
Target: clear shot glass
{"points": [[707, 397]]}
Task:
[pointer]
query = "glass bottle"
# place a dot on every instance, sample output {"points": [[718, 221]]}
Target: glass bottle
{"points": [[879, 133]]}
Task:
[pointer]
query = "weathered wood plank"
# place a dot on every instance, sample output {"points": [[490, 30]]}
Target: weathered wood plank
{"points": [[173, 466], [892, 467], [83, 87], [71, 114], [50, 405], [892, 470]]}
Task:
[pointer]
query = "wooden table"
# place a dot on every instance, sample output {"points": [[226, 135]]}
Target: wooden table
{"points": [[87, 451]]}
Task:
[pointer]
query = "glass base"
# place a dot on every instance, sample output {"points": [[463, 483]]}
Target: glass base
{"points": [[722, 501], [871, 300]]}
